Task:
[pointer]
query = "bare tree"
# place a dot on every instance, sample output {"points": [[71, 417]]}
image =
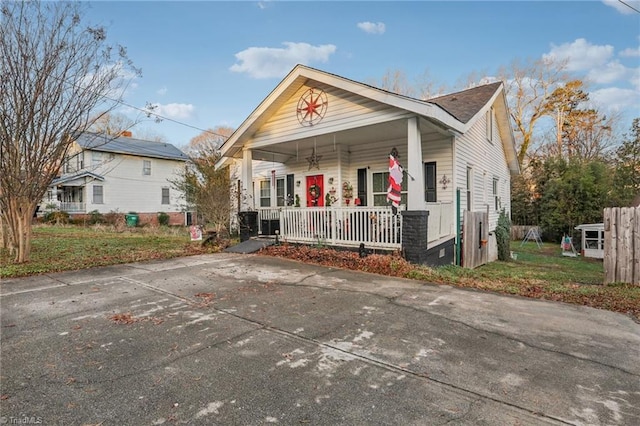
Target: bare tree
{"points": [[111, 123], [528, 85], [207, 190], [55, 73], [208, 141], [428, 87], [394, 81]]}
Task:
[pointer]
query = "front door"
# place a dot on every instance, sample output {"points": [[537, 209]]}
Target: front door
{"points": [[315, 191]]}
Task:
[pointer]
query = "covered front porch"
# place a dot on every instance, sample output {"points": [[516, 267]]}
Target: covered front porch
{"points": [[375, 226]]}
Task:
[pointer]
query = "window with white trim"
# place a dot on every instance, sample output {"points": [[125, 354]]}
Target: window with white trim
{"points": [[489, 118], [280, 192], [96, 158], [496, 198], [265, 193], [380, 187], [165, 196], [98, 194], [146, 167]]}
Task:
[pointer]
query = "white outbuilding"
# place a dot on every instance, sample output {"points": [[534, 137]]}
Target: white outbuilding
{"points": [[592, 240]]}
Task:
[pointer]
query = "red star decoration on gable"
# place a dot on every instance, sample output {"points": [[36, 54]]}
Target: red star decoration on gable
{"points": [[311, 107]]}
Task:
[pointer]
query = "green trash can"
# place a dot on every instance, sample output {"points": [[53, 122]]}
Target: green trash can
{"points": [[132, 219]]}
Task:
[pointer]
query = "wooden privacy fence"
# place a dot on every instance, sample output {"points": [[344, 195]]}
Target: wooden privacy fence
{"points": [[475, 239], [622, 245]]}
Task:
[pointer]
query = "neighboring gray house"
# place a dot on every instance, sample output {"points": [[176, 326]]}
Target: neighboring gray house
{"points": [[122, 174], [320, 137]]}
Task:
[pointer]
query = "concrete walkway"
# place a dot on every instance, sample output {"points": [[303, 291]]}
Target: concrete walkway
{"points": [[234, 339]]}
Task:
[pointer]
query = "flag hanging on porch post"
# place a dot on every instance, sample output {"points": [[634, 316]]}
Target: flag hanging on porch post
{"points": [[395, 181]]}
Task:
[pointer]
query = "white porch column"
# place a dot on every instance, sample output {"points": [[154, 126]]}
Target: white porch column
{"points": [[414, 167], [247, 197]]}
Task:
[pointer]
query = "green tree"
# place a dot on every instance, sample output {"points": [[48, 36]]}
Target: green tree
{"points": [[626, 181], [571, 192]]}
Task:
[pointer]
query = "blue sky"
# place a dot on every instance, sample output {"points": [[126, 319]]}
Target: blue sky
{"points": [[210, 63]]}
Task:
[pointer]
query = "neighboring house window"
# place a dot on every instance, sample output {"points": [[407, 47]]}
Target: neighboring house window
{"points": [[265, 193], [165, 195], [490, 125], [380, 186], [430, 182], [146, 167], [96, 159], [98, 196], [469, 187], [496, 199]]}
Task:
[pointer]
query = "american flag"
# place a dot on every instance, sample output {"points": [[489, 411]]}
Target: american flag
{"points": [[395, 180]]}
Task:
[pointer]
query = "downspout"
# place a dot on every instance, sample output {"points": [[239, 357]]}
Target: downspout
{"points": [[458, 229]]}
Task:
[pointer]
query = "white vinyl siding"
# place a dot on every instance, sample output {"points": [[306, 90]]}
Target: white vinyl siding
{"points": [[345, 110], [472, 150]]}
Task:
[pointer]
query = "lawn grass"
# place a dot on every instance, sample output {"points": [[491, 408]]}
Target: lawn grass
{"points": [[65, 248], [541, 273]]}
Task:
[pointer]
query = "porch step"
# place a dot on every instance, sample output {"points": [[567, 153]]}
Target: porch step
{"points": [[250, 246]]}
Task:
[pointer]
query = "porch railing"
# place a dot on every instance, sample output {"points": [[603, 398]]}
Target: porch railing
{"points": [[350, 226], [441, 220], [69, 207]]}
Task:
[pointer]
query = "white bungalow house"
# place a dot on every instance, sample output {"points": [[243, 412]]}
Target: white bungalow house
{"points": [[118, 174], [319, 138]]}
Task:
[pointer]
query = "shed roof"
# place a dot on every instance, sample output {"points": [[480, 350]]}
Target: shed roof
{"points": [[591, 227]]}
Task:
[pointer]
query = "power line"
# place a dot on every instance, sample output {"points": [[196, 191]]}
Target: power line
{"points": [[150, 113], [629, 6], [147, 112]]}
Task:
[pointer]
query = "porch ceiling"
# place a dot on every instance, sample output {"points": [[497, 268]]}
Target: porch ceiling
{"points": [[388, 131]]}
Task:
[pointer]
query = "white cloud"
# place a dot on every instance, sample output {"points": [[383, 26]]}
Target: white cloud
{"points": [[622, 8], [580, 55], [162, 91], [173, 111], [630, 52], [270, 62], [616, 99], [372, 28], [608, 73]]}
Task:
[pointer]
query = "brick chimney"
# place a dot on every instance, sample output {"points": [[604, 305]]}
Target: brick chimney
{"points": [[126, 133]]}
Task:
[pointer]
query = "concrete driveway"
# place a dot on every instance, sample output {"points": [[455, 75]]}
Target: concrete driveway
{"points": [[235, 339]]}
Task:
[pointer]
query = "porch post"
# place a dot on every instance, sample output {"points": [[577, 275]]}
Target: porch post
{"points": [[247, 216], [246, 198], [415, 186]]}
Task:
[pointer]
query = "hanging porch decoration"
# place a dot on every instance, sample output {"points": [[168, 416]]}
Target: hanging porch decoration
{"points": [[314, 160], [394, 194]]}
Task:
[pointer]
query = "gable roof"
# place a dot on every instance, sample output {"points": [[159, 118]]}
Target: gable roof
{"points": [[455, 112], [130, 146], [66, 179], [466, 104]]}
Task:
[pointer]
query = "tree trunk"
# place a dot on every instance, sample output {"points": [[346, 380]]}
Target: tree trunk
{"points": [[18, 222]]}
